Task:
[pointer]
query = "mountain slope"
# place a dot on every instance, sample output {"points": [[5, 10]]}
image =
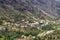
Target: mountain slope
{"points": [[10, 7]]}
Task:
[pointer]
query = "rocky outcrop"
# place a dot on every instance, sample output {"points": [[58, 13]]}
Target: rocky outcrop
{"points": [[49, 6]]}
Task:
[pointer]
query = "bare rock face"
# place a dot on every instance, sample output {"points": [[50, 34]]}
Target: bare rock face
{"points": [[49, 6]]}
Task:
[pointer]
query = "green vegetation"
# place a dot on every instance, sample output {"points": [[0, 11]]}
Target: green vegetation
{"points": [[1, 22], [20, 24]]}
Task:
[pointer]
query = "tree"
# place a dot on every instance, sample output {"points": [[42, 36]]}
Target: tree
{"points": [[1, 22]]}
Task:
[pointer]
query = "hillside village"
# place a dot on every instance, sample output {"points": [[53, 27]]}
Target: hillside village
{"points": [[11, 26], [29, 20], [36, 24], [29, 28]]}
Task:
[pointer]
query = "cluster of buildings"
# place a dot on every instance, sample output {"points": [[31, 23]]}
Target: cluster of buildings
{"points": [[16, 26]]}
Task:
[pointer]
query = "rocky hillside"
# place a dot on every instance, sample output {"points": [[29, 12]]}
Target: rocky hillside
{"points": [[41, 8]]}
